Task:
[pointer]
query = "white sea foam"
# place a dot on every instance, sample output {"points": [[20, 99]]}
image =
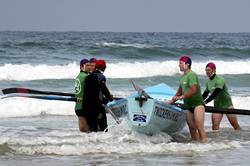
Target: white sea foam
{"points": [[18, 107], [116, 70], [135, 45], [119, 140], [31, 72]]}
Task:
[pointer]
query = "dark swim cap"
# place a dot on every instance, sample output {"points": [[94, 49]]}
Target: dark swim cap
{"points": [[211, 65], [84, 61], [92, 60], [186, 59], [100, 64]]}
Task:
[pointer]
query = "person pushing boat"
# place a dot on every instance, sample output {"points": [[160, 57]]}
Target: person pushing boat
{"points": [[218, 90], [189, 91]]}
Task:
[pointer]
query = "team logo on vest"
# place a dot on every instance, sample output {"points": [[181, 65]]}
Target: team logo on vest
{"points": [[77, 86]]}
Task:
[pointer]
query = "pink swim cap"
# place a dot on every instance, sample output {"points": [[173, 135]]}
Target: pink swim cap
{"points": [[186, 59], [211, 65]]}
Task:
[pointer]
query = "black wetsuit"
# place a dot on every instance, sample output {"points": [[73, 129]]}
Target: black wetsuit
{"points": [[96, 93]]}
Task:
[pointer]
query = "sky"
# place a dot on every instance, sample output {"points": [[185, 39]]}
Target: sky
{"points": [[125, 15]]}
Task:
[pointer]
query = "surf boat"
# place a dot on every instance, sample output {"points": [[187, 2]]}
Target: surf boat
{"points": [[147, 112]]}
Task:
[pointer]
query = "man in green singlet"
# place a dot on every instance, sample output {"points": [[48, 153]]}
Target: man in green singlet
{"points": [[219, 93], [79, 92], [189, 91]]}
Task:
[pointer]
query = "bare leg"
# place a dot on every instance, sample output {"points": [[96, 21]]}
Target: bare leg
{"points": [[199, 114], [216, 119], [233, 121], [83, 126], [232, 118], [191, 125]]}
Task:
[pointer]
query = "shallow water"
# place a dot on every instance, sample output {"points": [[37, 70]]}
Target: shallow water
{"points": [[45, 140]]}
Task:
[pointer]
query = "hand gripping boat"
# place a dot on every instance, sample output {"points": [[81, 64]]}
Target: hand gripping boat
{"points": [[147, 112]]}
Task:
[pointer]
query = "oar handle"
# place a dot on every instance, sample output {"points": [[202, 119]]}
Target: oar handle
{"points": [[220, 110]]}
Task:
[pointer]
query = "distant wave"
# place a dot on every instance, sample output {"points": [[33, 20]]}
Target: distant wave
{"points": [[35, 72], [25, 107], [135, 45], [116, 70]]}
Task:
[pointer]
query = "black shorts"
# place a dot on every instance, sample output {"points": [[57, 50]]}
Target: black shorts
{"points": [[81, 113], [191, 109]]}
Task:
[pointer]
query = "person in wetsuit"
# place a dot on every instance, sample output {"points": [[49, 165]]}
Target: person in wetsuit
{"points": [[96, 94], [217, 88]]}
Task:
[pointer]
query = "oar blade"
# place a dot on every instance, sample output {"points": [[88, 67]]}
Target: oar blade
{"points": [[44, 97], [33, 91]]}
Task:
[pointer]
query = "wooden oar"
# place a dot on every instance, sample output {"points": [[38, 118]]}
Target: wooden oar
{"points": [[39, 92], [32, 91], [221, 110], [44, 97], [227, 110]]}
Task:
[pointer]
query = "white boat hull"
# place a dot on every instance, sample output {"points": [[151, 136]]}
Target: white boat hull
{"points": [[151, 116]]}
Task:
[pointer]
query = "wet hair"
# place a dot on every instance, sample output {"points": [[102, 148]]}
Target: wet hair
{"points": [[84, 61], [92, 60]]}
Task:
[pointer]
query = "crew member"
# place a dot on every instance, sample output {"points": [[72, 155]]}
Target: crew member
{"points": [[217, 87], [96, 94]]}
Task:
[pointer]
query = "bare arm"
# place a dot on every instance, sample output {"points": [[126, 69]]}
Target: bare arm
{"points": [[177, 95], [191, 91]]}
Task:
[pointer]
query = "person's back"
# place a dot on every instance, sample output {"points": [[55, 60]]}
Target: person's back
{"points": [[95, 89], [91, 100], [92, 88]]}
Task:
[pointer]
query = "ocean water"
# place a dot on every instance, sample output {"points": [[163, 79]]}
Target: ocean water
{"points": [[38, 132]]}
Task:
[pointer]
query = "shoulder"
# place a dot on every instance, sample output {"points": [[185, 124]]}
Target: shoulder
{"points": [[81, 75], [219, 79], [191, 72], [192, 75]]}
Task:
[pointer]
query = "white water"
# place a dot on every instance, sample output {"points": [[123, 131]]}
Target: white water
{"points": [[119, 140], [116, 70]]}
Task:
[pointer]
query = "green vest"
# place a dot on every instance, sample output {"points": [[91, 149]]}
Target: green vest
{"points": [[186, 81], [79, 89], [223, 99]]}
